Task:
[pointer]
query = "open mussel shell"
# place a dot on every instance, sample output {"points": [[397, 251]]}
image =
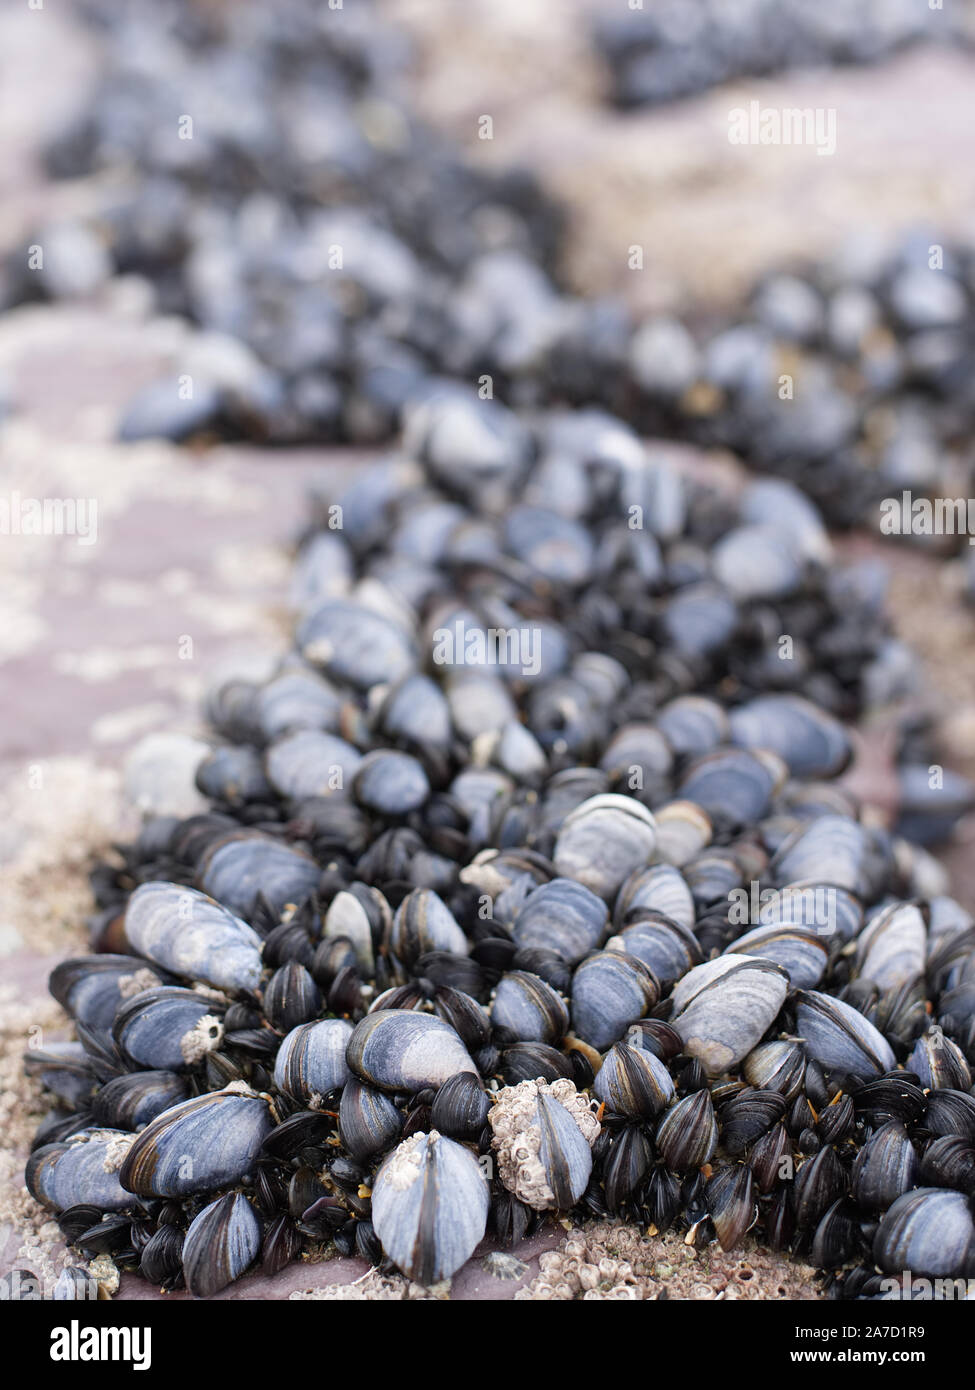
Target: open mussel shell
{"points": [[188, 933], [811, 742], [198, 1145], [167, 1029], [400, 1050], [526, 1009], [221, 1242], [633, 1082], [801, 954], [561, 916], [429, 1206], [610, 991], [239, 866], [311, 1060], [543, 1135], [687, 1135], [839, 1038], [133, 1099], [928, 1231], [602, 841], [423, 922], [892, 947], [723, 1009], [84, 1169], [91, 988]]}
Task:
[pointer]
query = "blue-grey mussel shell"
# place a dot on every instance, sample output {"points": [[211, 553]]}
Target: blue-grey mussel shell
{"points": [[666, 947], [311, 1059], [136, 1097], [202, 1144], [687, 1135], [801, 954], [391, 783], [167, 1029], [91, 988], [526, 1009], [85, 1169], [610, 991], [188, 933], [661, 888], [839, 1038], [809, 740], [222, 1241], [369, 1122], [562, 916], [355, 644], [543, 1135], [723, 1008], [633, 1082], [928, 1231], [776, 1066], [885, 1168], [429, 1206], [235, 869], [892, 948], [423, 922], [602, 841], [400, 1050], [311, 763]]}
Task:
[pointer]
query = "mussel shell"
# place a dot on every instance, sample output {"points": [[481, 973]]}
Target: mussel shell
{"points": [[723, 1009], [134, 1098], [460, 1107], [423, 923], [602, 841], [311, 1059], [808, 740], [430, 1206], [928, 1231], [91, 988], [610, 991], [666, 948], [84, 1169], [543, 1137], [355, 644], [660, 888], [198, 1145], [188, 933], [633, 1082], [776, 1066], [400, 1050], [391, 783], [158, 1028], [239, 866], [801, 955], [839, 1037], [561, 916], [221, 1242], [892, 947], [687, 1135], [526, 1009]]}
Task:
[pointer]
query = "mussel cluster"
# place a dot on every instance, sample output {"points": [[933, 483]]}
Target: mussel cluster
{"points": [[670, 49], [527, 888], [336, 255]]}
